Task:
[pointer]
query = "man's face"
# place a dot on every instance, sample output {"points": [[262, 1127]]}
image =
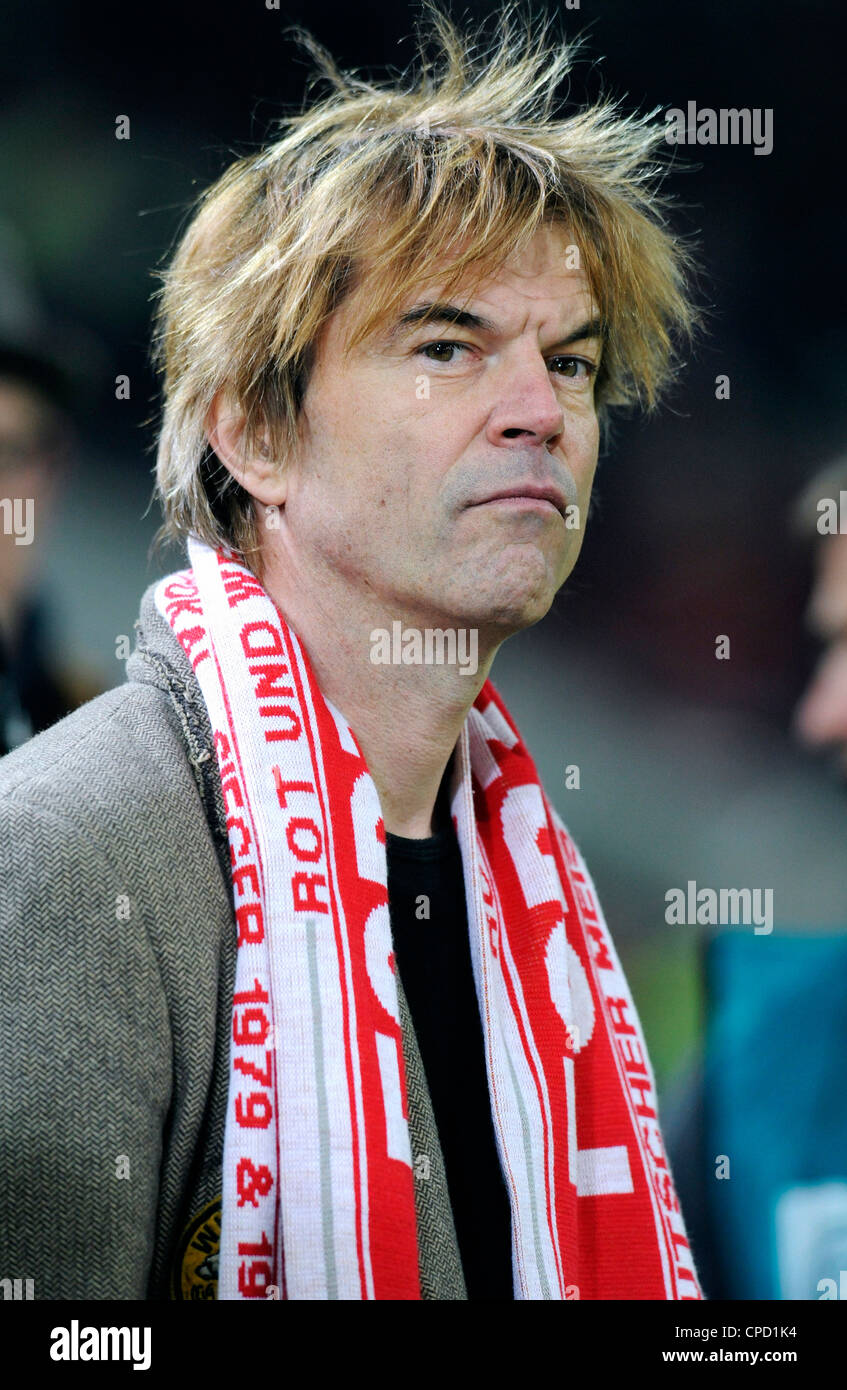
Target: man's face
{"points": [[409, 438], [821, 716]]}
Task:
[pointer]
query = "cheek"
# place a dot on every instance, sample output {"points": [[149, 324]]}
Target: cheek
{"points": [[582, 447], [590, 430], [356, 472], [364, 422]]}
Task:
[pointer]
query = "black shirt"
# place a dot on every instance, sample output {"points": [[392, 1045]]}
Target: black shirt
{"points": [[433, 958]]}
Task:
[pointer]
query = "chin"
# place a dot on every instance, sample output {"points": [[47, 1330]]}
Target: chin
{"points": [[524, 594], [508, 613], [507, 589]]}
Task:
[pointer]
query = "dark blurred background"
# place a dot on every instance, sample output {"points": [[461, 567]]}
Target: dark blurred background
{"points": [[687, 766]]}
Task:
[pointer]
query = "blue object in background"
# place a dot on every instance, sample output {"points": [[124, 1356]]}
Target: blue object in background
{"points": [[775, 1105]]}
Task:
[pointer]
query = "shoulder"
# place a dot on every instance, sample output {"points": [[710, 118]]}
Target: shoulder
{"points": [[112, 752], [111, 787], [102, 822]]}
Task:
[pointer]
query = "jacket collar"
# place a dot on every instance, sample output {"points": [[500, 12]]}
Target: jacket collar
{"points": [[158, 659]]}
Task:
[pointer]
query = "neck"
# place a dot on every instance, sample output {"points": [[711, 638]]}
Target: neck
{"points": [[407, 718]]}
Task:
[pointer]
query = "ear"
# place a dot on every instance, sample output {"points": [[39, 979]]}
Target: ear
{"points": [[257, 472]]}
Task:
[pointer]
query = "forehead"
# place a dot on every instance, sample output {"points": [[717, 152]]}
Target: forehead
{"points": [[543, 277], [541, 274]]}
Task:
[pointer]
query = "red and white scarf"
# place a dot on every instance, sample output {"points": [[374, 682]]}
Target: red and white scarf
{"points": [[318, 1184]]}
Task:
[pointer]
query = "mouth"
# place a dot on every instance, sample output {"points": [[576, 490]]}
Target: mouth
{"points": [[528, 497]]}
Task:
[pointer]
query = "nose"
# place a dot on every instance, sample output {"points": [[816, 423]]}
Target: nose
{"points": [[527, 407], [821, 716]]}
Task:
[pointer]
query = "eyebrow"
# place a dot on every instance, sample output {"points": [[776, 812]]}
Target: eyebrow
{"points": [[456, 317]]}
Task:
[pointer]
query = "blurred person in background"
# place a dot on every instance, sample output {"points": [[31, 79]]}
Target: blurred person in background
{"points": [[820, 517], [758, 1133], [37, 439]]}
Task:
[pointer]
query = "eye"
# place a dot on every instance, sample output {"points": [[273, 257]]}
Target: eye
{"points": [[568, 367], [440, 348]]}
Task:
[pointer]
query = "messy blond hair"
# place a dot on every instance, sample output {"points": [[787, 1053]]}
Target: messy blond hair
{"points": [[463, 159]]}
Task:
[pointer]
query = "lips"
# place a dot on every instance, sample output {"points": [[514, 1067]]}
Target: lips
{"points": [[543, 492]]}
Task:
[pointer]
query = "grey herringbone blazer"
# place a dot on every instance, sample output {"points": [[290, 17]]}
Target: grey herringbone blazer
{"points": [[117, 966]]}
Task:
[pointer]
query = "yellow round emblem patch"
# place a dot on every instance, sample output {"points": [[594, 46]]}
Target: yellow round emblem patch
{"points": [[195, 1268]]}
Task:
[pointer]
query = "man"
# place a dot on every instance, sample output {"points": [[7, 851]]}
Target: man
{"points": [[32, 696], [778, 1230], [36, 446], [336, 1012]]}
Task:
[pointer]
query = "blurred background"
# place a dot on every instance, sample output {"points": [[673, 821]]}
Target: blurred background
{"points": [[688, 765]]}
